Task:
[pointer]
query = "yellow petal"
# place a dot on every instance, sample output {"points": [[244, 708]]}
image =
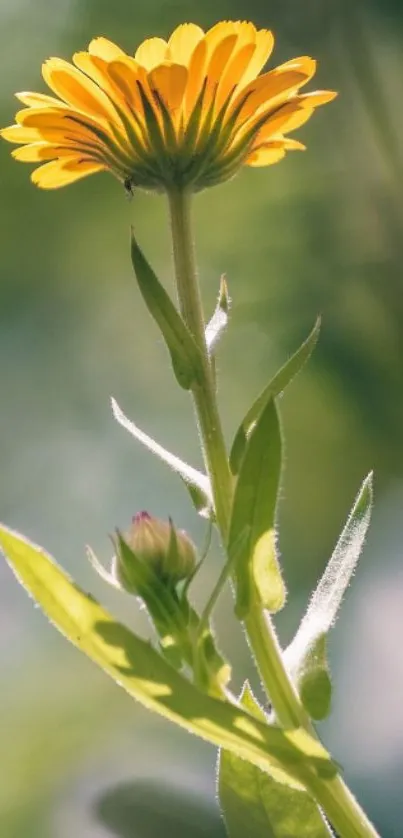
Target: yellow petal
{"points": [[125, 73], [169, 80], [316, 98], [279, 121], [219, 58], [245, 32], [183, 43], [297, 119], [38, 100], [56, 127], [19, 134], [266, 88], [105, 49], [40, 151], [263, 49], [218, 33], [151, 53], [68, 120], [77, 89], [233, 73], [62, 172], [96, 68], [216, 66], [265, 156], [293, 145], [304, 64], [197, 67]]}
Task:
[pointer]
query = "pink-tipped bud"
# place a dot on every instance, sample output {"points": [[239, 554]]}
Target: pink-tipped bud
{"points": [[170, 552]]}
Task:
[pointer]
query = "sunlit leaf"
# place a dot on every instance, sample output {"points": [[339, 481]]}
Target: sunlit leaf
{"points": [[185, 355], [276, 386], [148, 677], [258, 804], [254, 507], [306, 651], [197, 484]]}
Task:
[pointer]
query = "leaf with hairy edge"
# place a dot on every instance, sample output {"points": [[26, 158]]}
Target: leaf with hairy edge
{"points": [[217, 325], [256, 568], [185, 356], [149, 678], [305, 657], [197, 484], [258, 804], [276, 386]]}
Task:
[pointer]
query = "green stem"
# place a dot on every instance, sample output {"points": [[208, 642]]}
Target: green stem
{"points": [[342, 810], [211, 434]]}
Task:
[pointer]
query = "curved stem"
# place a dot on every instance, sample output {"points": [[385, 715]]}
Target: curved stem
{"points": [[342, 810]]}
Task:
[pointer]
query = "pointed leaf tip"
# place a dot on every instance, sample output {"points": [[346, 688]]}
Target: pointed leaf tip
{"points": [[219, 321], [302, 656], [277, 385], [197, 483]]}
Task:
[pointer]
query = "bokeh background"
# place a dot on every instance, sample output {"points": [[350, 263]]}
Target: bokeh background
{"points": [[322, 232]]}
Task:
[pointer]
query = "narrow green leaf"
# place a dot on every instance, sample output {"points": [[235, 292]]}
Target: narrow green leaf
{"points": [[276, 386], [305, 657], [257, 569], [148, 677], [265, 805], [218, 323], [197, 484], [185, 356]]}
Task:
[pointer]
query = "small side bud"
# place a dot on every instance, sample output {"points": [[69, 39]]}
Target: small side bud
{"points": [[158, 546]]}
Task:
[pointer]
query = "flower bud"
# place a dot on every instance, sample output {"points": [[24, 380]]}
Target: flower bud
{"points": [[157, 544]]}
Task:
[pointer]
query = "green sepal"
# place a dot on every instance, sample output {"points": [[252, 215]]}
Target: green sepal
{"points": [[160, 599], [276, 386], [256, 567], [305, 657], [268, 804], [156, 139], [313, 681], [134, 665], [219, 321], [185, 356], [174, 619]]}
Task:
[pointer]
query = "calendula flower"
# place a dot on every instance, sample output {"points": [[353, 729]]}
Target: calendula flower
{"points": [[182, 113]]}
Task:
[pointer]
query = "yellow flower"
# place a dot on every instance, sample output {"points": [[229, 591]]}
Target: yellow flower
{"points": [[187, 112]]}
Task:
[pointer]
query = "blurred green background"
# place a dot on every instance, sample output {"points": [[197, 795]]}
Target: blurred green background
{"points": [[322, 232]]}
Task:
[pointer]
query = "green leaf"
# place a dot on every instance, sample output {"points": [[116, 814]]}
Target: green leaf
{"points": [[314, 682], [218, 323], [276, 386], [149, 678], [256, 568], [197, 484], [185, 356], [264, 805], [305, 657]]}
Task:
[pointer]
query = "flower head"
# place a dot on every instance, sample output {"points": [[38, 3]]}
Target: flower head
{"points": [[185, 113]]}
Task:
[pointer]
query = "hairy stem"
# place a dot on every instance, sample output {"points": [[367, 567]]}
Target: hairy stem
{"points": [[342, 810]]}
